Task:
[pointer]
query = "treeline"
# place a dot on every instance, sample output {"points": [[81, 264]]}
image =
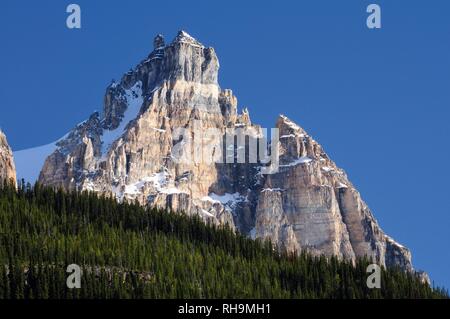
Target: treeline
{"points": [[128, 251]]}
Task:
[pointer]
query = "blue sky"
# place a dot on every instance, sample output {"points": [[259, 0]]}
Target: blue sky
{"points": [[377, 100]]}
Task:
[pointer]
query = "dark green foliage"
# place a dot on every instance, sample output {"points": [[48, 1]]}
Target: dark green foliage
{"points": [[128, 251]]}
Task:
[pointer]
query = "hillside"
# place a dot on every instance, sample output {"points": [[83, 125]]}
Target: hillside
{"points": [[128, 251]]}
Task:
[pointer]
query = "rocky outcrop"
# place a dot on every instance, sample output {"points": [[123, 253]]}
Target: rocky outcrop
{"points": [[7, 168], [163, 140], [310, 204]]}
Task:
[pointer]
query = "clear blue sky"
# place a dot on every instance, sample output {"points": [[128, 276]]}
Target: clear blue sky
{"points": [[378, 101]]}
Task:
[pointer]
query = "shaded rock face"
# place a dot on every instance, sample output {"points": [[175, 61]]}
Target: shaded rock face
{"points": [[7, 168], [128, 152]]}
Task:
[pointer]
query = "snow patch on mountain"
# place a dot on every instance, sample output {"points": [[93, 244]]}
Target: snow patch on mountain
{"points": [[134, 100], [159, 181], [230, 201], [298, 161], [29, 162]]}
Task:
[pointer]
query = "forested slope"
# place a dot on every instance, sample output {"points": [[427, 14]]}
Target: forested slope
{"points": [[128, 251]]}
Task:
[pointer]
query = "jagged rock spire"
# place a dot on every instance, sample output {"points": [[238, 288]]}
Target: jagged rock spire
{"points": [[184, 37], [158, 42]]}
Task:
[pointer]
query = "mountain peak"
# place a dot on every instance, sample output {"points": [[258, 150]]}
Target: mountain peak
{"points": [[184, 37], [287, 126], [158, 42]]}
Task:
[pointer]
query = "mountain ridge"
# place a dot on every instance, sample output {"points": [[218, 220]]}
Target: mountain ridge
{"points": [[309, 204]]}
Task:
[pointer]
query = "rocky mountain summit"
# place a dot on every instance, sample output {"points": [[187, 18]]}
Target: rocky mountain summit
{"points": [[132, 151], [7, 168]]}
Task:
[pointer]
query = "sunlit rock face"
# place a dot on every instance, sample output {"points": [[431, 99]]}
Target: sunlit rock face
{"points": [[132, 151], [7, 168]]}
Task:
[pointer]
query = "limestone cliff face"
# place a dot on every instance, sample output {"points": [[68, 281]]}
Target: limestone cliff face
{"points": [[133, 149], [7, 168], [310, 204]]}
